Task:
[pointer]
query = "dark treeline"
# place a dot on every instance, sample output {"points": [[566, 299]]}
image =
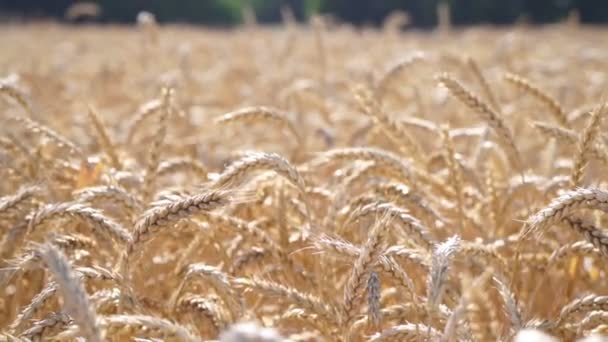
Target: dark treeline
{"points": [[422, 13]]}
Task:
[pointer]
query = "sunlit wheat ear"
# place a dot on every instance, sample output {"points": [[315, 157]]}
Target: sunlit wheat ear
{"points": [[34, 306], [407, 332], [393, 72], [168, 212], [221, 283], [251, 115], [255, 256], [302, 316], [71, 242], [402, 312], [369, 256], [585, 143], [415, 256], [421, 125], [75, 299], [201, 308], [339, 202], [451, 328], [96, 219], [440, 264], [396, 273], [583, 304], [371, 107], [387, 263], [483, 82], [145, 110], [393, 164], [10, 202], [46, 132], [11, 91], [402, 193], [553, 130], [597, 236], [562, 206], [109, 194], [510, 304], [412, 226], [569, 137], [593, 319], [234, 174], [487, 254], [487, 114], [104, 301], [290, 295], [556, 109], [30, 259], [104, 138], [249, 229], [115, 325], [573, 250], [41, 327]]}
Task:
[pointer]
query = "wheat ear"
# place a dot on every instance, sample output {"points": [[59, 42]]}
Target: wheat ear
{"points": [[369, 256], [585, 142], [562, 206], [556, 109], [104, 138], [75, 299], [486, 112]]}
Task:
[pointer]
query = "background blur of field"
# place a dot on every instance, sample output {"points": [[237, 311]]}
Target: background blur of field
{"points": [[116, 69], [327, 181]]}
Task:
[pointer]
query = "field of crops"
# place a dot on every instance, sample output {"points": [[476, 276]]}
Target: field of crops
{"points": [[302, 183]]}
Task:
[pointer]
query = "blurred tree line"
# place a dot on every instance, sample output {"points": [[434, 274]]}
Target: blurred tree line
{"points": [[422, 13]]}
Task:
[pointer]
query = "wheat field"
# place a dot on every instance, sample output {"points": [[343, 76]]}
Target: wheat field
{"points": [[303, 183]]}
